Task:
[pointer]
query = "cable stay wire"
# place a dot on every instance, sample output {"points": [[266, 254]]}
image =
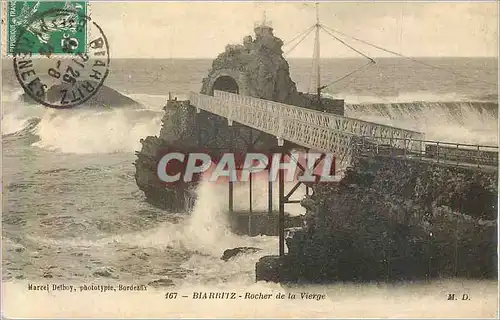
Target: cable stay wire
{"points": [[346, 44], [370, 60], [299, 35], [384, 100], [348, 74], [349, 81], [303, 38], [308, 31], [409, 58]]}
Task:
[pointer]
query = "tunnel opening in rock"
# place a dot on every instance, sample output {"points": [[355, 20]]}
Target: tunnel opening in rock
{"points": [[225, 83]]}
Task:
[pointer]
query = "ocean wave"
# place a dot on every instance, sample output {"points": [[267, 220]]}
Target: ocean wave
{"points": [[87, 131], [206, 230], [407, 97], [453, 121], [79, 130]]}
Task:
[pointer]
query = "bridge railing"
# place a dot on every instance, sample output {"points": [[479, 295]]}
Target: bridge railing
{"points": [[337, 122], [309, 128], [266, 116], [327, 132], [437, 151]]}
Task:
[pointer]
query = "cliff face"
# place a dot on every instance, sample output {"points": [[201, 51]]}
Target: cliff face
{"points": [[400, 219], [177, 124]]}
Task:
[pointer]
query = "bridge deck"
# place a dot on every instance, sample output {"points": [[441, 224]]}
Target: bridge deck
{"points": [[329, 132], [481, 163]]}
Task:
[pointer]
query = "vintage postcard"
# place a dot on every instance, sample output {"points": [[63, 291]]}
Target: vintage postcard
{"points": [[249, 159]]}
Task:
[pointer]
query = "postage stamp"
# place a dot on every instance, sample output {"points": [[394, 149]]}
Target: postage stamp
{"points": [[250, 159], [63, 30], [60, 56]]}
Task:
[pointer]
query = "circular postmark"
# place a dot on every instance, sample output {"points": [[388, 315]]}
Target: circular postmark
{"points": [[52, 64]]}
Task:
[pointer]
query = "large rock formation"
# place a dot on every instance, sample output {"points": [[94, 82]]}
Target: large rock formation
{"points": [[396, 219], [105, 97], [255, 68], [258, 69], [177, 130]]}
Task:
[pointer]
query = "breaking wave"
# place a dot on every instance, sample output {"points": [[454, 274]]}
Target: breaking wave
{"points": [[80, 130], [445, 117], [206, 230], [464, 122]]}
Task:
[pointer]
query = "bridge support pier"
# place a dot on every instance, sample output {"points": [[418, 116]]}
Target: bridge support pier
{"points": [[197, 126], [281, 218], [250, 181], [281, 201], [230, 206], [230, 184], [270, 195]]}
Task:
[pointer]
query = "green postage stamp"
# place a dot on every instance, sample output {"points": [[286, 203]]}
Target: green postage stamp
{"points": [[46, 26]]}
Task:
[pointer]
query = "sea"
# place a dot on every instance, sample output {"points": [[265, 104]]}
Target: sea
{"points": [[72, 213]]}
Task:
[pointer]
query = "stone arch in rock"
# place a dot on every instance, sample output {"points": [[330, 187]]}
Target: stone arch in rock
{"points": [[227, 80], [226, 83]]}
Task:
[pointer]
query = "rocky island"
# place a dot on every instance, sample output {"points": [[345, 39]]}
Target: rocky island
{"points": [[388, 219], [105, 97], [255, 68]]}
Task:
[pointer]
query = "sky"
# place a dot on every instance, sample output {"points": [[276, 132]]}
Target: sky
{"points": [[203, 29]]}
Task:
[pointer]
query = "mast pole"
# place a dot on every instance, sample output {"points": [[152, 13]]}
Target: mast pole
{"points": [[316, 76], [318, 79]]}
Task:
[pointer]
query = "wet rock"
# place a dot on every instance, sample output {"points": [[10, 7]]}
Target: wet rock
{"points": [[19, 249], [104, 98], [170, 199], [48, 276], [141, 255], [177, 272], [230, 253], [104, 272], [161, 283], [393, 219], [19, 276], [269, 269]]}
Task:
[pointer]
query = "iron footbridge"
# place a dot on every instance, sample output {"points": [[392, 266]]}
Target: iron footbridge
{"points": [[327, 132]]}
